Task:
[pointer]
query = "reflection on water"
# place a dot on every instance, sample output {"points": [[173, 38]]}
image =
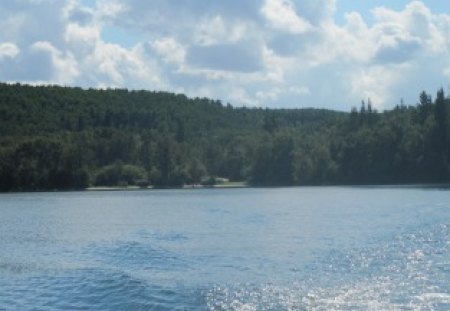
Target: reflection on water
{"points": [[240, 249]]}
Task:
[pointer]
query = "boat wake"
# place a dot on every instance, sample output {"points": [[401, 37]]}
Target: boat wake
{"points": [[410, 273]]}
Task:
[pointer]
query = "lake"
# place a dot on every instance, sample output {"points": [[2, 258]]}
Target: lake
{"points": [[311, 248]]}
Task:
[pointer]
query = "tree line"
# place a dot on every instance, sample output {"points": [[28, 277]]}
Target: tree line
{"points": [[56, 137]]}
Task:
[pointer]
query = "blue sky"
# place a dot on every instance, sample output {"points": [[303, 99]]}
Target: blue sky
{"points": [[267, 53]]}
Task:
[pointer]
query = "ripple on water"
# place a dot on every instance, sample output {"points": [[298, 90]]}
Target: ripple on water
{"points": [[136, 255], [92, 289]]}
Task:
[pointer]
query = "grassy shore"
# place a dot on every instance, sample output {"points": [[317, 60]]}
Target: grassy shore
{"points": [[228, 184], [232, 184], [115, 188]]}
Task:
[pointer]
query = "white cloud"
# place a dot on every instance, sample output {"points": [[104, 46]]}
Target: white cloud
{"points": [[274, 94], [170, 50], [281, 15], [300, 90], [63, 67], [114, 66], [373, 83], [240, 57], [109, 9], [240, 97], [271, 94], [415, 22], [82, 39], [8, 50], [353, 40], [214, 30], [446, 72]]}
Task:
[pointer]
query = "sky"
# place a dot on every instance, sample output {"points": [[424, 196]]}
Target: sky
{"points": [[265, 53]]}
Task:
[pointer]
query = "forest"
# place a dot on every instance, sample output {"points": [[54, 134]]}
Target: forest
{"points": [[55, 137]]}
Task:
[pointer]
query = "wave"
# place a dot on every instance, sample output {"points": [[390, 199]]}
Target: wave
{"points": [[92, 289]]}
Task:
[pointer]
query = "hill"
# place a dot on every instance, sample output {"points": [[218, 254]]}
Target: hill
{"points": [[69, 138]]}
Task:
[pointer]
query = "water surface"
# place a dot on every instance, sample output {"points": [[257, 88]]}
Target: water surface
{"points": [[330, 248]]}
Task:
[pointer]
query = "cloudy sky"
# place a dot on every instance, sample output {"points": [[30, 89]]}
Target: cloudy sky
{"points": [[269, 53]]}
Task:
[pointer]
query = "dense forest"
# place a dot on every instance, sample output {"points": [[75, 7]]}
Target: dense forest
{"points": [[69, 138]]}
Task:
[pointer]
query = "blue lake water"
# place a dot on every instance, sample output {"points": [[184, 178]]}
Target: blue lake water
{"points": [[329, 248]]}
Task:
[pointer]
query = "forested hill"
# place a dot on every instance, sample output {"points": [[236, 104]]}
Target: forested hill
{"points": [[69, 138]]}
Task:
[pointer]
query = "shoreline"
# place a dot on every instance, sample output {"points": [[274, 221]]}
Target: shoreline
{"points": [[242, 185]]}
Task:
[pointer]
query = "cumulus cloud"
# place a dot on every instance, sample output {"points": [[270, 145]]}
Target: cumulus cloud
{"points": [[170, 50], [8, 50], [398, 51], [59, 68], [214, 30], [290, 53], [281, 15]]}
